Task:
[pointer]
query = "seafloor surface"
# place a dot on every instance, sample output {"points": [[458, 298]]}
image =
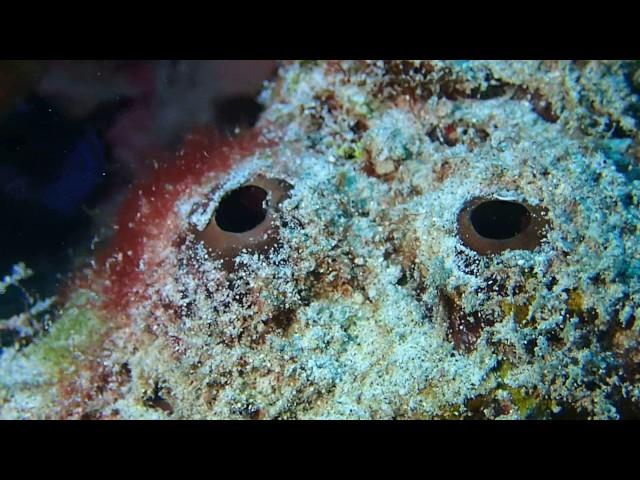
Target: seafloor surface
{"points": [[393, 240]]}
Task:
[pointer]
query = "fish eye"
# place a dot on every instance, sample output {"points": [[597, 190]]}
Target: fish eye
{"points": [[490, 226], [245, 219]]}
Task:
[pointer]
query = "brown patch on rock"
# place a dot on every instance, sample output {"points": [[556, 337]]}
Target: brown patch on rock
{"points": [[406, 78], [380, 170], [442, 171], [464, 329], [279, 324], [543, 107]]}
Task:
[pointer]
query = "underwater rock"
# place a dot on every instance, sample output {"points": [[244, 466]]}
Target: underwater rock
{"points": [[365, 296]]}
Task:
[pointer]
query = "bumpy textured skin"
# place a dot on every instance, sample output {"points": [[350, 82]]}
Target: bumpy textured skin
{"points": [[370, 305]]}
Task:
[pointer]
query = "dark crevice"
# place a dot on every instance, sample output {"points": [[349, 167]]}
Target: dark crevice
{"points": [[157, 401], [234, 113]]}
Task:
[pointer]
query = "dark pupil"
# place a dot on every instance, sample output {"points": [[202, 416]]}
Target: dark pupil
{"points": [[241, 210], [499, 219]]}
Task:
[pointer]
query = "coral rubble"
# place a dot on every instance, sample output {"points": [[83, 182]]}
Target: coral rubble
{"points": [[322, 266]]}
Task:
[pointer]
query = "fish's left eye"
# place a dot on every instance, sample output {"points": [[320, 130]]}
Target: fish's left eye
{"points": [[245, 219]]}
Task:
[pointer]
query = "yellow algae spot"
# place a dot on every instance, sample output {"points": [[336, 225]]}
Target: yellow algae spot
{"points": [[503, 370], [575, 301], [520, 312]]}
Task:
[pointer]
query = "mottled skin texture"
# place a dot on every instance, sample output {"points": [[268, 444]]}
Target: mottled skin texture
{"points": [[370, 305]]}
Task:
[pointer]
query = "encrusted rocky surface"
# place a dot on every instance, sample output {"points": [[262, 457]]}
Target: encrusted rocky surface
{"points": [[369, 304]]}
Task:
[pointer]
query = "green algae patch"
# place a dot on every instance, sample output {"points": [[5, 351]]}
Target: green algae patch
{"points": [[72, 335], [526, 404], [351, 151]]}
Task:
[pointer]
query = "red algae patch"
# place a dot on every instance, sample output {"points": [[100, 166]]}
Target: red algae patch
{"points": [[148, 213]]}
